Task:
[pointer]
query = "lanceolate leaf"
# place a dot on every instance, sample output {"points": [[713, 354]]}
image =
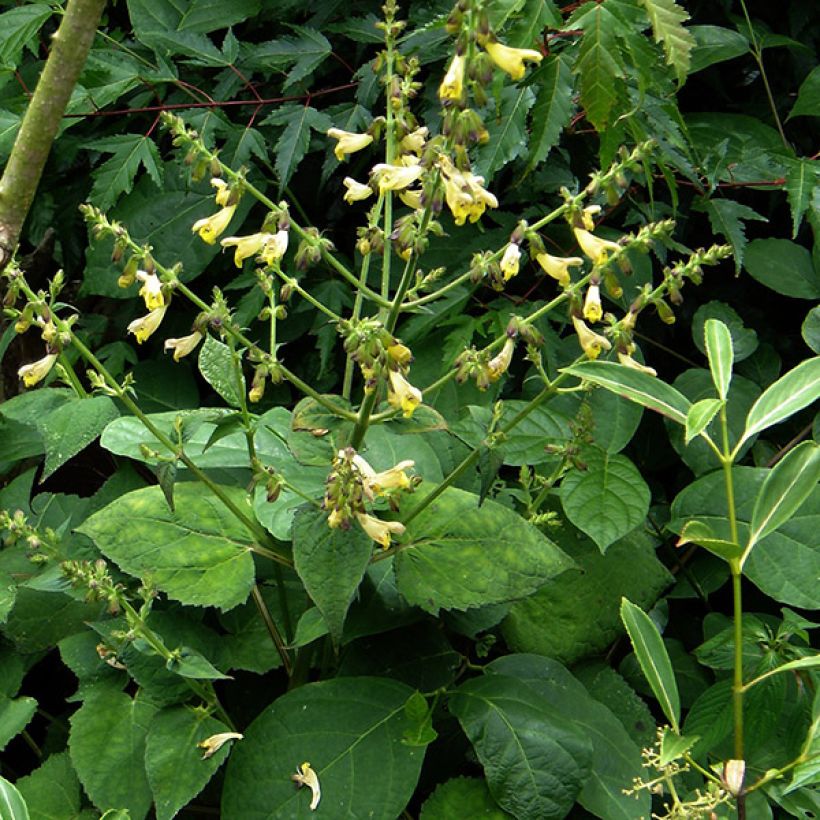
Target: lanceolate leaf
{"points": [[725, 217], [802, 180], [507, 130], [552, 110], [667, 19], [12, 805], [718, 341], [116, 175], [700, 416]]}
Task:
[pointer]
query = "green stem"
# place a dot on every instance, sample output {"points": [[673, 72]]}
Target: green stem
{"points": [[76, 384], [273, 630], [737, 681]]}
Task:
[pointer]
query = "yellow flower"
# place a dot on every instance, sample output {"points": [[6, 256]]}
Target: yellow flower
{"points": [[499, 364], [356, 191], [380, 531], [594, 247], [414, 141], [452, 86], [510, 261], [400, 354], [378, 483], [349, 142], [35, 372], [592, 304], [588, 216], [151, 290], [184, 345], [143, 327], [591, 343], [336, 518], [412, 199], [558, 267], [275, 247], [402, 394], [464, 193], [627, 360], [223, 192], [212, 227], [211, 745], [511, 59], [395, 177], [245, 246], [305, 776]]}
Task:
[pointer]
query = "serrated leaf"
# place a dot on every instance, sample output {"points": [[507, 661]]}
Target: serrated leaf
{"points": [[507, 131], [18, 27], [667, 19], [15, 714], [552, 109], [700, 416], [52, 790], [116, 175], [725, 217], [802, 180], [305, 52], [217, 367], [292, 146]]}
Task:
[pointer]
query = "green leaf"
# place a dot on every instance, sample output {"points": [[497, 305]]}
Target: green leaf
{"points": [[616, 758], [802, 179], [744, 340], [217, 368], [208, 15], [725, 217], [349, 730], [653, 659], [188, 663], [615, 418], [12, 805], [198, 555], [783, 266], [674, 746], [700, 533], [667, 19], [808, 96], [586, 600], [810, 329], [331, 564], [507, 130], [636, 386], [304, 53], [116, 175], [15, 715], [808, 771], [107, 746], [535, 760], [52, 790], [462, 797], [552, 109], [700, 416], [787, 486], [793, 391], [292, 144], [458, 554], [18, 28], [72, 427], [174, 763], [606, 500], [20, 435], [715, 44]]}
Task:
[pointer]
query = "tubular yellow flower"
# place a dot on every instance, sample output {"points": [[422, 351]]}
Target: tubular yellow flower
{"points": [[35, 372], [558, 267], [464, 193], [380, 531], [245, 246], [348, 142], [356, 191], [414, 141], [151, 290], [593, 311], [275, 247], [588, 216], [510, 261], [395, 177], [591, 343], [452, 86], [211, 745], [499, 364], [305, 776], [412, 199], [375, 483], [400, 354], [335, 519], [402, 394], [212, 227], [594, 247], [143, 327], [511, 59], [223, 192], [627, 360], [183, 345]]}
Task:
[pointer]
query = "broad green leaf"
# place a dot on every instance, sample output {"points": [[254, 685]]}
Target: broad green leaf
{"points": [[12, 805], [18, 28], [277, 516], [189, 663], [586, 600], [700, 416], [606, 500], [331, 564], [52, 790], [15, 715], [535, 760], [457, 554], [808, 96], [726, 218], [802, 180], [744, 339], [788, 484], [700, 533], [667, 19], [116, 175], [616, 758], [217, 368], [349, 730], [636, 386], [783, 266], [552, 110], [198, 555], [72, 427], [810, 329], [715, 44], [174, 763], [653, 659], [615, 419], [507, 129], [462, 797], [808, 771], [209, 15], [793, 391], [710, 718], [20, 433], [107, 746], [8, 593]]}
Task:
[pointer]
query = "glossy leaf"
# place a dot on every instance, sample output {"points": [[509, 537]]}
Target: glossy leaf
{"points": [[744, 339], [715, 44], [718, 341], [700, 416], [217, 368], [784, 266], [653, 659], [808, 96], [700, 533], [12, 805]]}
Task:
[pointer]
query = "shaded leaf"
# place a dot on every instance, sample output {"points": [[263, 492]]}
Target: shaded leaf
{"points": [[552, 109], [217, 368], [726, 218], [116, 175], [783, 266], [667, 19]]}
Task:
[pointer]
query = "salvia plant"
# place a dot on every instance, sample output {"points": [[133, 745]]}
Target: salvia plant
{"points": [[357, 536]]}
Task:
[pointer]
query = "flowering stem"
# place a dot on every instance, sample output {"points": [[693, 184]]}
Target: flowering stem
{"points": [[72, 376]]}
